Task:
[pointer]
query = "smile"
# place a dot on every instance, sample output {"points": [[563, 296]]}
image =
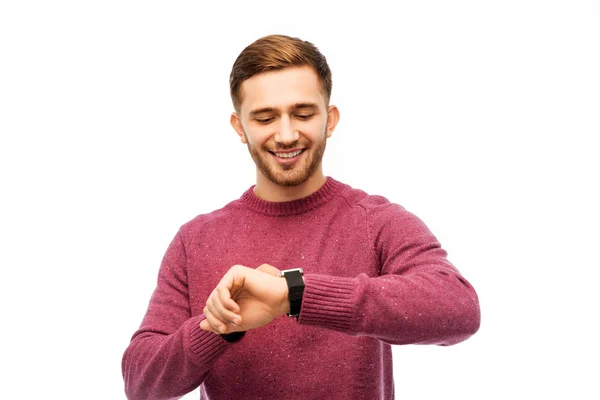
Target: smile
{"points": [[288, 155]]}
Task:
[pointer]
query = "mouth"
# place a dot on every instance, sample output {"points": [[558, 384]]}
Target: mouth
{"points": [[287, 157], [288, 154]]}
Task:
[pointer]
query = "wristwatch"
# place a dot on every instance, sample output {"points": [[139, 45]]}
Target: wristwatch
{"points": [[295, 284]]}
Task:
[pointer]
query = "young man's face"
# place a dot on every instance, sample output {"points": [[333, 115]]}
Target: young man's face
{"points": [[285, 122]]}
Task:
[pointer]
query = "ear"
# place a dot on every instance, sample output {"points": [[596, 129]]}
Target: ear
{"points": [[236, 123], [333, 116]]}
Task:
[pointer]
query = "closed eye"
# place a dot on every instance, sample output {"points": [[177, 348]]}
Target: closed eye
{"points": [[264, 121], [304, 117]]}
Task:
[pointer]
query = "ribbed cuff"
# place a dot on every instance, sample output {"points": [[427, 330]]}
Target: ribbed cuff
{"points": [[205, 345], [328, 301]]}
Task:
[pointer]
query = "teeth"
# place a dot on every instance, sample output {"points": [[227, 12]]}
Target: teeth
{"points": [[288, 155]]}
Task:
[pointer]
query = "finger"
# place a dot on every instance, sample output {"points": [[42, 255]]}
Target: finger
{"points": [[224, 306], [268, 269], [225, 301], [221, 305], [204, 325], [217, 312], [221, 313], [216, 326], [230, 285]]}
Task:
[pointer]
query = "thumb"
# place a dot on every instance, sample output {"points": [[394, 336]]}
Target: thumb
{"points": [[268, 269]]}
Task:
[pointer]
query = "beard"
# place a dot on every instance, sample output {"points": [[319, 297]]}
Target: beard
{"points": [[290, 175]]}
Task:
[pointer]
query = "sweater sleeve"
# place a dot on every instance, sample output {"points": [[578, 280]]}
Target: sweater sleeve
{"points": [[418, 298], [169, 355]]}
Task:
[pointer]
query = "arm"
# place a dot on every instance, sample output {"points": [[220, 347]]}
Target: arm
{"points": [[170, 355], [419, 297]]}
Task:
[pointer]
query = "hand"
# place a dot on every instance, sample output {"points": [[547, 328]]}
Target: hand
{"points": [[245, 299]]}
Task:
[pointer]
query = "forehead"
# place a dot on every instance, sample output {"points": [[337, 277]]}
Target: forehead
{"points": [[281, 89]]}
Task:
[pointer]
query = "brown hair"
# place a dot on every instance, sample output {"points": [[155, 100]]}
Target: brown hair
{"points": [[274, 52]]}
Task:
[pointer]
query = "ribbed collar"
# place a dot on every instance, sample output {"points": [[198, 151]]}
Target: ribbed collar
{"points": [[299, 206]]}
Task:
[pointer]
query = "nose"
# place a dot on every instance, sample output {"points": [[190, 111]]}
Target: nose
{"points": [[286, 134]]}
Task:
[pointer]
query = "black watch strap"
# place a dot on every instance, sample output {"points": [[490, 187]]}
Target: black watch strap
{"points": [[295, 284], [234, 336]]}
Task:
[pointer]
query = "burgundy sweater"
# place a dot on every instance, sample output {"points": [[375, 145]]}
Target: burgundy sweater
{"points": [[375, 276]]}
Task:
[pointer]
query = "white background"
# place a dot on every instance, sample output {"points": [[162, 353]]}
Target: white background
{"points": [[479, 116]]}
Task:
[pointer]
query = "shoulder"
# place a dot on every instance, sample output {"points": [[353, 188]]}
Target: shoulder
{"points": [[382, 213], [371, 203], [202, 221]]}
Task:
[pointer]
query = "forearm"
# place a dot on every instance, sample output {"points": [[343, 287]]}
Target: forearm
{"points": [[164, 366], [414, 296], [433, 307], [169, 355]]}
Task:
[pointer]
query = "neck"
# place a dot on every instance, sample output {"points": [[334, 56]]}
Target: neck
{"points": [[270, 191]]}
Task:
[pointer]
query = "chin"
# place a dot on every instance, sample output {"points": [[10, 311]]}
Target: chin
{"points": [[288, 176], [289, 181]]}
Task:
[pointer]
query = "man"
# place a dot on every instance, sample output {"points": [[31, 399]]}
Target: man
{"points": [[372, 273]]}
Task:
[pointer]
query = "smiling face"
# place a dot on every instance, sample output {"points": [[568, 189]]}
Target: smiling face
{"points": [[285, 122]]}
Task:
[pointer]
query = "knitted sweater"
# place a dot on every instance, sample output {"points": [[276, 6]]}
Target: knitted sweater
{"points": [[374, 274]]}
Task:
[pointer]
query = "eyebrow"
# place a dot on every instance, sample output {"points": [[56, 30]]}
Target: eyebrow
{"points": [[297, 106]]}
